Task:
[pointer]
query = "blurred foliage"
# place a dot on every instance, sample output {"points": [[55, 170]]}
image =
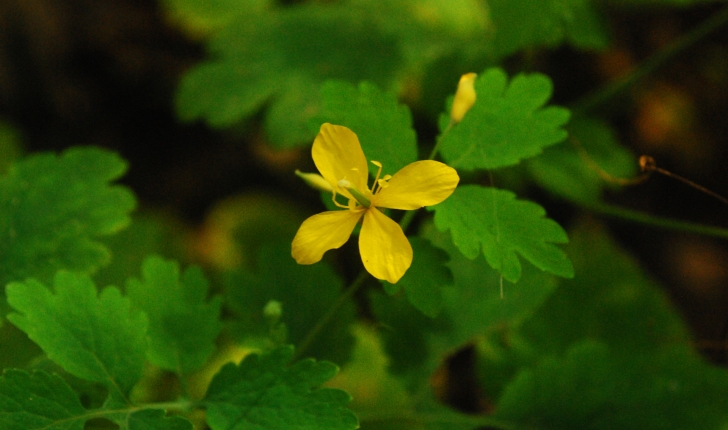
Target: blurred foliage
{"points": [[198, 321]]}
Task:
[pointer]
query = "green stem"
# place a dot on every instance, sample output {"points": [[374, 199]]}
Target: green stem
{"points": [[659, 222], [325, 318], [436, 148], [607, 92]]}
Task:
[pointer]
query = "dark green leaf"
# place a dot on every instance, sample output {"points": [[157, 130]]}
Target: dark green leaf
{"points": [[306, 294], [522, 24], [283, 56], [94, 337], [384, 126], [425, 279], [579, 171], [492, 220], [53, 207], [182, 324], [594, 388], [610, 299], [38, 401], [265, 393], [506, 124]]}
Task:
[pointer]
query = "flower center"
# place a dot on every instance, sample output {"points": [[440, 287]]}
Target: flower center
{"points": [[343, 183], [361, 198]]}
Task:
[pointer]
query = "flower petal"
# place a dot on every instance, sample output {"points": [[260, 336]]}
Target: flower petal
{"points": [[385, 250], [321, 232], [422, 183], [338, 155]]}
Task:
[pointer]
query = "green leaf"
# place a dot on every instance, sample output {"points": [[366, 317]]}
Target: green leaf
{"points": [[522, 24], [182, 324], [270, 57], [51, 209], [94, 337], [207, 16], [154, 419], [38, 401], [592, 387], [472, 308], [492, 220], [222, 93], [384, 126], [506, 124], [265, 393], [610, 299], [577, 171], [425, 279], [306, 294]]}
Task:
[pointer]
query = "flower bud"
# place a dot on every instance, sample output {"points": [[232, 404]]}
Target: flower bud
{"points": [[464, 97], [314, 180]]}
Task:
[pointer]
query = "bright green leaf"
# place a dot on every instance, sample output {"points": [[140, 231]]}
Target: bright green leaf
{"points": [[579, 171], [522, 24], [594, 388], [425, 279], [38, 401], [53, 207], [269, 57], [265, 392], [154, 419], [306, 293], [492, 220], [92, 336], [384, 126], [183, 325], [506, 124]]}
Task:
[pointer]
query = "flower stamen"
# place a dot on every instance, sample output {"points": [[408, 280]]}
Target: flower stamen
{"points": [[376, 179], [343, 183]]}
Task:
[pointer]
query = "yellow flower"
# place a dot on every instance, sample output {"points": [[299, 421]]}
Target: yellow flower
{"points": [[464, 97], [385, 250]]}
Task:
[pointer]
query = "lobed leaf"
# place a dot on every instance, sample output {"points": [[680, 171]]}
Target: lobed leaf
{"points": [[282, 57], [93, 336], [264, 392], [492, 220], [53, 207], [383, 125], [183, 325], [506, 124]]}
